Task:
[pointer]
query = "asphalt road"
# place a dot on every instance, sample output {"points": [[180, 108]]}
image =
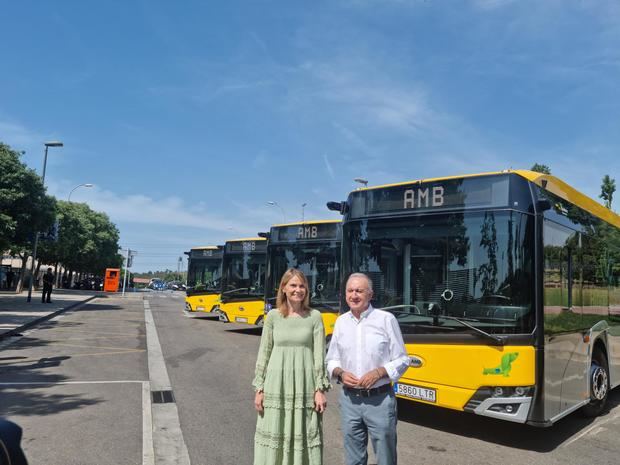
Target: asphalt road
{"points": [[90, 406]]}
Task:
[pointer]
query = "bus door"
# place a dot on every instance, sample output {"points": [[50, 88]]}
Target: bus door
{"points": [[565, 350]]}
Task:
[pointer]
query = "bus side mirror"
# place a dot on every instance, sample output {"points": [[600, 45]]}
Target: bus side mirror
{"points": [[543, 205], [341, 207]]}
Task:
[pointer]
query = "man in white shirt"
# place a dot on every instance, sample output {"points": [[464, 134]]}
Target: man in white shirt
{"points": [[366, 355]]}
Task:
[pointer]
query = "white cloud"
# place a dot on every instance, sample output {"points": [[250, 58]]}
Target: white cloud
{"points": [[328, 167]]}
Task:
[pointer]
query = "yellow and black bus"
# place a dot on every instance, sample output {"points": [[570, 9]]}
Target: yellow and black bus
{"points": [[204, 273], [243, 281], [314, 248], [505, 285]]}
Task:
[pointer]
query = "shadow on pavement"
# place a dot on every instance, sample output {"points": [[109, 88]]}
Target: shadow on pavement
{"points": [[501, 432], [254, 331]]}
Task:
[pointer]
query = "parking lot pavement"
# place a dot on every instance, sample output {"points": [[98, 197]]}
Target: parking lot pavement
{"points": [[16, 314]]}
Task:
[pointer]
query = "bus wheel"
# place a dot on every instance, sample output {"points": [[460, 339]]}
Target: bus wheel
{"points": [[599, 385]]}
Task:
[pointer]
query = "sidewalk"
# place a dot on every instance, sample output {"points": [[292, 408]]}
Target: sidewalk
{"points": [[17, 315]]}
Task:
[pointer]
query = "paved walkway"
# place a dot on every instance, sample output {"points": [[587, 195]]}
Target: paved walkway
{"points": [[17, 315]]}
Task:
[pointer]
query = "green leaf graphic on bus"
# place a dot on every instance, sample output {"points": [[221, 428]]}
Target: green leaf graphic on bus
{"points": [[504, 367]]}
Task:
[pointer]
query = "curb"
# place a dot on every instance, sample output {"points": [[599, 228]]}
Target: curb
{"points": [[35, 322]]}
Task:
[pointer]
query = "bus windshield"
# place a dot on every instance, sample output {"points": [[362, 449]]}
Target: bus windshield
{"points": [[433, 270], [318, 261], [204, 274], [245, 275]]}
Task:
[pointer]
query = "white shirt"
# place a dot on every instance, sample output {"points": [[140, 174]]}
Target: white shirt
{"points": [[373, 341]]}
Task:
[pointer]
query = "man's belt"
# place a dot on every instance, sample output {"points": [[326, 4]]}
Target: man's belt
{"points": [[368, 392]]}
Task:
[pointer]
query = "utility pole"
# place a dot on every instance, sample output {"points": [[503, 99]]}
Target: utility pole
{"points": [[126, 266]]}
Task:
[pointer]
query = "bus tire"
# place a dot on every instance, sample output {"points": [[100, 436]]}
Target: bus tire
{"points": [[599, 385]]}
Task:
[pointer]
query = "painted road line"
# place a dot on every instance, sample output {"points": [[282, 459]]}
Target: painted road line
{"points": [[148, 453], [593, 430], [168, 443]]}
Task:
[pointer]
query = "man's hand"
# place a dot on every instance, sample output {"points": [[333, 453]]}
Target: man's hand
{"points": [[349, 379], [370, 378]]}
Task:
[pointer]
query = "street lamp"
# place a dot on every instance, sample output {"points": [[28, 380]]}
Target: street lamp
{"points": [[276, 204], [303, 206], [81, 185], [52, 143], [362, 181]]}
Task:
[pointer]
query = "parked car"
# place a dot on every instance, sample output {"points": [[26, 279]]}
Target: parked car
{"points": [[157, 284]]}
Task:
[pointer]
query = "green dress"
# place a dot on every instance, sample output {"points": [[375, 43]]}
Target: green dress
{"points": [[289, 369]]}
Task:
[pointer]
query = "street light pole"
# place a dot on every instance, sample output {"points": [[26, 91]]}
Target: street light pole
{"points": [[362, 181], [276, 204], [303, 206], [36, 233], [81, 185]]}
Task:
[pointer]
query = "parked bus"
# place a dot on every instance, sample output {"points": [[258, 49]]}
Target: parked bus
{"points": [[505, 286], [314, 248], [243, 281], [204, 274]]}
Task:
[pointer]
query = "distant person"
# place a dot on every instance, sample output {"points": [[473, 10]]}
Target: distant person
{"points": [[11, 452], [291, 379], [48, 283], [366, 355], [10, 275]]}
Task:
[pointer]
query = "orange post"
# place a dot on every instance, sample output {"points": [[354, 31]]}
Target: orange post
{"points": [[112, 277]]}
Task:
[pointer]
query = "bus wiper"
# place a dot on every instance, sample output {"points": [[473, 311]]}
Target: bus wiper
{"points": [[413, 309], [235, 290], [494, 338]]}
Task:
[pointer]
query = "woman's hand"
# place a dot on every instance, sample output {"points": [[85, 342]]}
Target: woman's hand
{"points": [[320, 401], [258, 401]]}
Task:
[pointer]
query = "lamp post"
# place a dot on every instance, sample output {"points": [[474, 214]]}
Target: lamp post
{"points": [[53, 143], [303, 206], [276, 204], [362, 181], [80, 185]]}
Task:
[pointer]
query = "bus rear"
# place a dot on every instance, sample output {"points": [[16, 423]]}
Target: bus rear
{"points": [[204, 273], [314, 248], [243, 281]]}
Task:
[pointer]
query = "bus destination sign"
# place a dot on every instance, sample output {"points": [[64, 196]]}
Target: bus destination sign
{"points": [[250, 246], [479, 192], [206, 253], [305, 232]]}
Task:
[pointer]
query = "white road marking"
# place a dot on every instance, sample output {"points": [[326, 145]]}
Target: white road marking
{"points": [[168, 443], [38, 383], [148, 453], [594, 429]]}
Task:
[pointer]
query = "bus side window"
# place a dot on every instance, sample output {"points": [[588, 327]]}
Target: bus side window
{"points": [[562, 301]]}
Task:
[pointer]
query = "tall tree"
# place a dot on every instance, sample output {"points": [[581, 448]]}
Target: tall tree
{"points": [[607, 190], [544, 169], [24, 206]]}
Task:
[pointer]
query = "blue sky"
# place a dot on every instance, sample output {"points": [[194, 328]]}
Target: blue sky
{"points": [[190, 116]]}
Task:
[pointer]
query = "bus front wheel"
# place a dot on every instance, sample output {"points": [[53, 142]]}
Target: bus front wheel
{"points": [[599, 385]]}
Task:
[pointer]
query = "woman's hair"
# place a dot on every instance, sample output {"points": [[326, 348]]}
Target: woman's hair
{"points": [[281, 301]]}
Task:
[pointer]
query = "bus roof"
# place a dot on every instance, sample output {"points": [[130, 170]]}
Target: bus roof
{"points": [[247, 239], [550, 183], [301, 223], [206, 247]]}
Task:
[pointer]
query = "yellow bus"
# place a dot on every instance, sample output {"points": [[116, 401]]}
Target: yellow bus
{"points": [[243, 281], [204, 272], [505, 286], [314, 248]]}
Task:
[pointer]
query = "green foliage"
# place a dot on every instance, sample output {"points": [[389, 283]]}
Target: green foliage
{"points": [[544, 169], [24, 206], [608, 187], [87, 240]]}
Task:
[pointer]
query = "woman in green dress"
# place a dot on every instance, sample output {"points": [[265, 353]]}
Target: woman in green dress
{"points": [[291, 379]]}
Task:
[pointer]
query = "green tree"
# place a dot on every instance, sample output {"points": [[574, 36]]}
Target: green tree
{"points": [[24, 206], [608, 187], [544, 169]]}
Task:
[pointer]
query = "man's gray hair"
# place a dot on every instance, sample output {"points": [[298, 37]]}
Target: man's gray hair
{"points": [[361, 276]]}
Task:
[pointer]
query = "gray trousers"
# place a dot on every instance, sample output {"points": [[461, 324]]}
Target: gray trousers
{"points": [[373, 416]]}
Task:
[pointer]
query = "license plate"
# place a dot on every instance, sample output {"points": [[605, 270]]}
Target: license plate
{"points": [[241, 319], [200, 309], [416, 392]]}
